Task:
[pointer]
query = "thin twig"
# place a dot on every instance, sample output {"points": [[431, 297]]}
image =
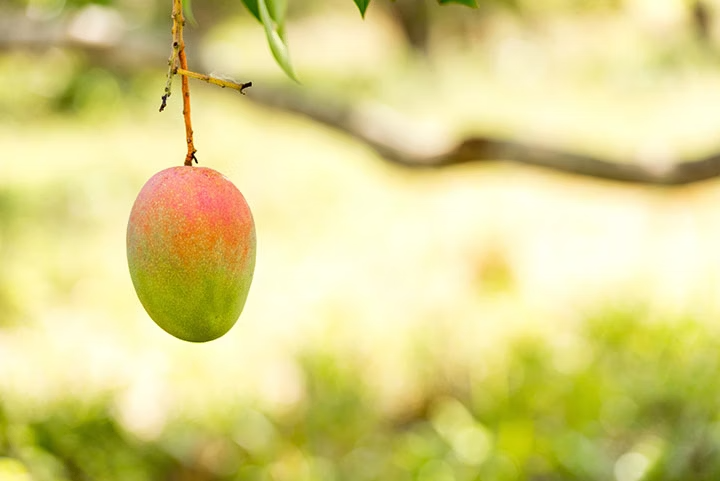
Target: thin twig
{"points": [[240, 87], [172, 61]]}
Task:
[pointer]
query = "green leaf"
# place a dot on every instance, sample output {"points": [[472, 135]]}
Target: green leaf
{"points": [[277, 9], [252, 7], [362, 6], [188, 13], [467, 3], [272, 14]]}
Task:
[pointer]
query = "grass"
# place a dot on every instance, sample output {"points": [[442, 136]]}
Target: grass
{"points": [[621, 397]]}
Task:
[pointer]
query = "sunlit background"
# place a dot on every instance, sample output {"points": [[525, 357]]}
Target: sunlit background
{"points": [[488, 321]]}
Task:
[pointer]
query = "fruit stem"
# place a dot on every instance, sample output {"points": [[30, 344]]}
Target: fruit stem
{"points": [[176, 63], [179, 23], [186, 102]]}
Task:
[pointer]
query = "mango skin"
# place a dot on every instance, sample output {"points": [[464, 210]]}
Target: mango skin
{"points": [[191, 252]]}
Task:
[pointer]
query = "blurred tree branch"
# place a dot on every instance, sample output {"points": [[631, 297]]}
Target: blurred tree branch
{"points": [[113, 46], [702, 20], [397, 139], [412, 18]]}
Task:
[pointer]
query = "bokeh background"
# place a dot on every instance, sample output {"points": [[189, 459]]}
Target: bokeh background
{"points": [[485, 321]]}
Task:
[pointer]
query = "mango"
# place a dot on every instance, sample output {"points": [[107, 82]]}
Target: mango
{"points": [[191, 252]]}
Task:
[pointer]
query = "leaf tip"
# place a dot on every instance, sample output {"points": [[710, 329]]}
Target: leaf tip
{"points": [[362, 5]]}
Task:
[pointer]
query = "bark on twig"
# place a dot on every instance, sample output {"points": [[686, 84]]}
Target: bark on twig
{"points": [[178, 25]]}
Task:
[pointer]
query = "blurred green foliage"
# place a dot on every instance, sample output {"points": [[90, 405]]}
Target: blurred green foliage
{"points": [[625, 397], [83, 72]]}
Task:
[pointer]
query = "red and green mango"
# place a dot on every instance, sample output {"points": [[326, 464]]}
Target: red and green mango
{"points": [[191, 251]]}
